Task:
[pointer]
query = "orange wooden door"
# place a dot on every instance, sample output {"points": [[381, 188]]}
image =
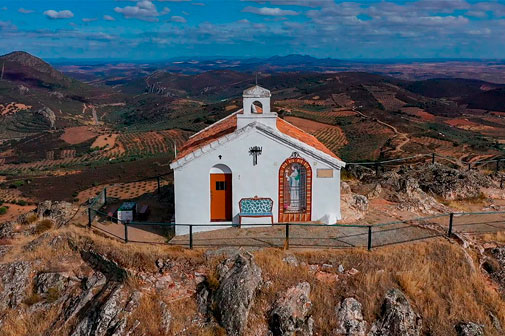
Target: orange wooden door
{"points": [[220, 197]]}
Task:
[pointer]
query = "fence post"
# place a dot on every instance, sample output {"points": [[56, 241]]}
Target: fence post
{"points": [[286, 244], [376, 169], [369, 237], [432, 158], [104, 196], [90, 220], [497, 166], [451, 220], [159, 188], [191, 237], [469, 166], [125, 232]]}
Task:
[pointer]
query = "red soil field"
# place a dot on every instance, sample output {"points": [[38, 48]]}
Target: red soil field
{"points": [[77, 135]]}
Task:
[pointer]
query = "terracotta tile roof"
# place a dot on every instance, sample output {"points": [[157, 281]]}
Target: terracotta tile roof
{"points": [[228, 125], [210, 134], [294, 132]]}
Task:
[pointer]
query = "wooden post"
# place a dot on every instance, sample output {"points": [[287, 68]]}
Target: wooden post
{"points": [[432, 158], [469, 166], [125, 232], [105, 196], [286, 244], [191, 237], [497, 166], [376, 169], [369, 238], [451, 220]]}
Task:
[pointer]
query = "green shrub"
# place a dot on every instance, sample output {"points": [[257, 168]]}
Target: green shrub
{"points": [[21, 202], [3, 210]]}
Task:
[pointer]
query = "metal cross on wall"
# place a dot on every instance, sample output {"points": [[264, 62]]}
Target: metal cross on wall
{"points": [[255, 152]]}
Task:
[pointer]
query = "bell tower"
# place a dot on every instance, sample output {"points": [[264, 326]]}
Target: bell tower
{"points": [[253, 112]]}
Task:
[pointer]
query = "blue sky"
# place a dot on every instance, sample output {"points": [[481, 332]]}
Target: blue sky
{"points": [[158, 30]]}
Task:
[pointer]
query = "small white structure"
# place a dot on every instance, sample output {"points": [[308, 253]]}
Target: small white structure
{"points": [[254, 153]]}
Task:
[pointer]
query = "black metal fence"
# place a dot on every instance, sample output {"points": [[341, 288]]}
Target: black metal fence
{"points": [[495, 165], [301, 235]]}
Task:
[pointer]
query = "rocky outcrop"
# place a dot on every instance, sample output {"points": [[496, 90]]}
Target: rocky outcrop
{"points": [[104, 319], [49, 115], [436, 179], [58, 212], [495, 265], [239, 279], [6, 230], [350, 318], [469, 329], [14, 281], [397, 317], [291, 313], [50, 280]]}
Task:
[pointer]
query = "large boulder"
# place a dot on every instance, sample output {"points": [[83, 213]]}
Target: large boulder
{"points": [[239, 279], [469, 329], [291, 312], [397, 317], [50, 280], [350, 318], [14, 281]]}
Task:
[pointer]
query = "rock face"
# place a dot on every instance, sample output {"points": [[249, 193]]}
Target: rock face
{"points": [[469, 329], [51, 280], [15, 278], [397, 317], [350, 318], [59, 212], [48, 114], [6, 230], [239, 279], [290, 314]]}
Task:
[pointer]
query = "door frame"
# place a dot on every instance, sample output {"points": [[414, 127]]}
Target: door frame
{"points": [[229, 188]]}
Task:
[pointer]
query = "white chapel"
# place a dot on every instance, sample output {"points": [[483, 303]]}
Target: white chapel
{"points": [[254, 167]]}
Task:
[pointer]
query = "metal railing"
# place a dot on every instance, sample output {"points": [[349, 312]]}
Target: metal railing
{"points": [[305, 235]]}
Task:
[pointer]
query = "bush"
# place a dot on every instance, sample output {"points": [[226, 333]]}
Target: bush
{"points": [[53, 294], [21, 202], [16, 184], [32, 219], [3, 210], [33, 299], [43, 226]]}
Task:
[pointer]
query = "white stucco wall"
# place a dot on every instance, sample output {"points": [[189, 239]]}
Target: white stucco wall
{"points": [[192, 181]]}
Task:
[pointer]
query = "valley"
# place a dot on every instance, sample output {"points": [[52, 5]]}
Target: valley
{"points": [[54, 126]]}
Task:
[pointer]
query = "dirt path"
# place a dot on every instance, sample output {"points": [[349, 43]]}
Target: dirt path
{"points": [[403, 138]]}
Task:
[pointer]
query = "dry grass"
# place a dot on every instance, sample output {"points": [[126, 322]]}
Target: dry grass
{"points": [[16, 323], [43, 226], [436, 276], [498, 237]]}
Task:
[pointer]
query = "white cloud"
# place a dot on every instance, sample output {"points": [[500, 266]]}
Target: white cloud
{"points": [[178, 19], [64, 14], [143, 10], [269, 11], [108, 18], [25, 11], [89, 19]]}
